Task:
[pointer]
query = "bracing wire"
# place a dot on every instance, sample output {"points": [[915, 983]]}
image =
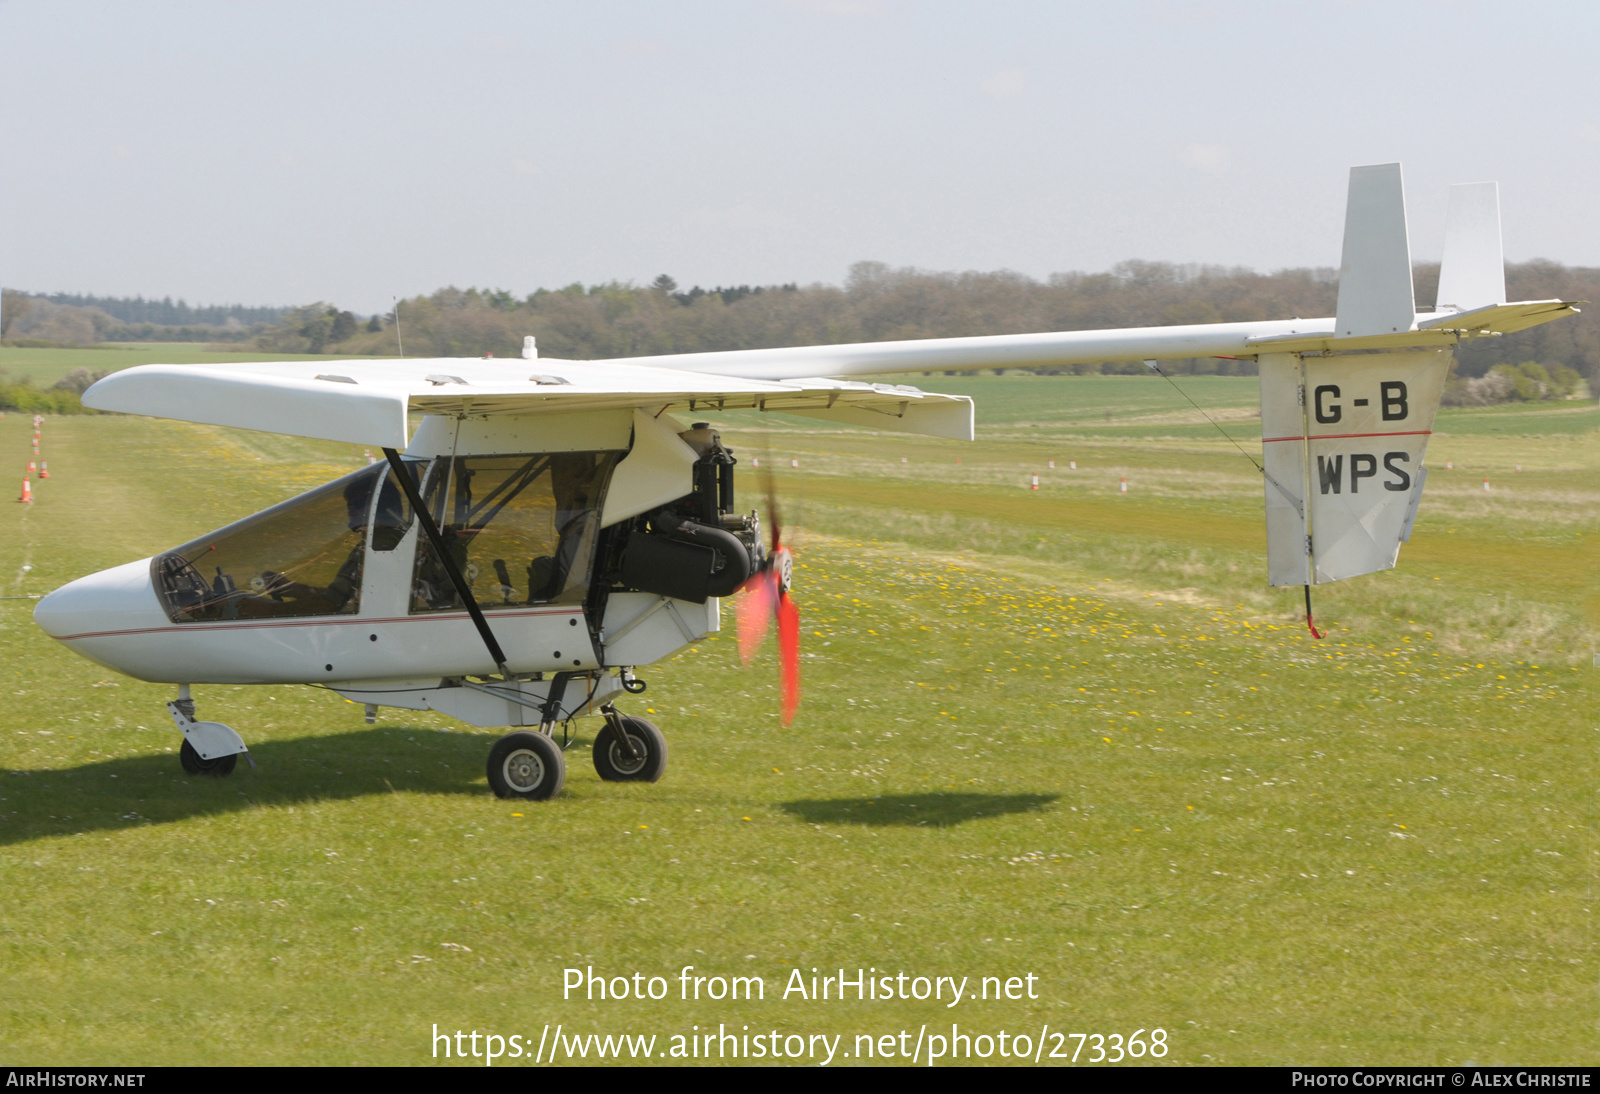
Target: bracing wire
{"points": [[1156, 368]]}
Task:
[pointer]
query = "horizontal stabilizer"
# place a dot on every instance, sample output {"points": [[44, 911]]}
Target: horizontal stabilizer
{"points": [[1375, 295], [1472, 273]]}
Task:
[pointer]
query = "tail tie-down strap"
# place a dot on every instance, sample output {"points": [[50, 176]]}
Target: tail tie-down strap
{"points": [[1309, 624]]}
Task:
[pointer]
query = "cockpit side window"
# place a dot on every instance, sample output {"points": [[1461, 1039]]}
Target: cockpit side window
{"points": [[521, 528], [300, 558]]}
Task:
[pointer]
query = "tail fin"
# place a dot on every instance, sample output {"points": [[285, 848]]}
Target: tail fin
{"points": [[1472, 273], [1375, 294]]}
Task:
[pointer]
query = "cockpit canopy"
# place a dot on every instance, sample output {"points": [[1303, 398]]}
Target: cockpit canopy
{"points": [[522, 529]]}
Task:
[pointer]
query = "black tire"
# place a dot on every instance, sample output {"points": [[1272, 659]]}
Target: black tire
{"points": [[611, 762], [526, 765], [218, 768]]}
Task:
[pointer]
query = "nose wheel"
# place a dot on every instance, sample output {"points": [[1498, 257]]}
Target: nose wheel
{"points": [[217, 768], [630, 749]]}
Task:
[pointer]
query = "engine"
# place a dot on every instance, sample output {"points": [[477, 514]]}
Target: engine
{"points": [[694, 548]]}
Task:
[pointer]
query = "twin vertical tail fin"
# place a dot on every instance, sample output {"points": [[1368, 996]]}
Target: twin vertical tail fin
{"points": [[1472, 273], [1344, 435], [1375, 294]]}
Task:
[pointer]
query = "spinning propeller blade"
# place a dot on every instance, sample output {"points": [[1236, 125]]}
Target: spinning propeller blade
{"points": [[766, 596], [755, 610]]}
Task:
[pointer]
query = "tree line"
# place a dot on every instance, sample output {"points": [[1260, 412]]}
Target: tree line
{"points": [[67, 319]]}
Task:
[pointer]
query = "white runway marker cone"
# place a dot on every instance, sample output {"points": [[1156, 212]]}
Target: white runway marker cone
{"points": [[1486, 484], [1072, 465], [44, 469], [27, 491], [1035, 483], [1124, 487]]}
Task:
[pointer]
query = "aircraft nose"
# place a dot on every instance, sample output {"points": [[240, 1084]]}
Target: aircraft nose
{"points": [[117, 600]]}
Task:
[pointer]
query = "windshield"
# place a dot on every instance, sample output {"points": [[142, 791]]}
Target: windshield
{"points": [[521, 528], [302, 557]]}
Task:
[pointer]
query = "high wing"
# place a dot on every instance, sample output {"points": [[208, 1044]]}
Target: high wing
{"points": [[368, 401]]}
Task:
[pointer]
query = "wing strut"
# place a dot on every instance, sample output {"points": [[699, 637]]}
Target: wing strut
{"points": [[431, 530]]}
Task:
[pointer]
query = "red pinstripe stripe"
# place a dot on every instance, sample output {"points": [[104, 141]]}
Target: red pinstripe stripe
{"points": [[1347, 436]]}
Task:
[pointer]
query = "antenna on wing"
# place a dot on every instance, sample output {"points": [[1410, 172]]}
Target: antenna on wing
{"points": [[398, 337]]}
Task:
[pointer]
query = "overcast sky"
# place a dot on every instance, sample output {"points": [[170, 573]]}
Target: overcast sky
{"points": [[283, 153]]}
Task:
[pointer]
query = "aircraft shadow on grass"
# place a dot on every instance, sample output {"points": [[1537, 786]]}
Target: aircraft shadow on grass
{"points": [[927, 810], [111, 795]]}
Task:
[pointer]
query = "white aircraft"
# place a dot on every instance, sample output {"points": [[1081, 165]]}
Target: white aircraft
{"points": [[549, 527]]}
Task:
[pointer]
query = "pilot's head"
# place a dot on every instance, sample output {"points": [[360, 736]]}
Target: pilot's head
{"points": [[356, 496]]}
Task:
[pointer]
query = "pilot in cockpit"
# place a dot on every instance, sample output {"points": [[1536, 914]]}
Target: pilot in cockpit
{"points": [[333, 598]]}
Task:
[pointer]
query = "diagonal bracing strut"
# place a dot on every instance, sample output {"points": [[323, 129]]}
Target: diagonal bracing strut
{"points": [[463, 590]]}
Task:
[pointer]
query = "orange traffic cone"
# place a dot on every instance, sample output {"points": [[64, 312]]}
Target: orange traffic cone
{"points": [[1035, 484], [794, 463], [1124, 486], [32, 467], [1072, 465], [27, 491], [1052, 465], [44, 469]]}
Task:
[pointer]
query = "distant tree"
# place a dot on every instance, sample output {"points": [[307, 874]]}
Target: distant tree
{"points": [[664, 285], [78, 380]]}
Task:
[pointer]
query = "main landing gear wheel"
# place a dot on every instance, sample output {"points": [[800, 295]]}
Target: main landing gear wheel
{"points": [[526, 765], [649, 760], [194, 765]]}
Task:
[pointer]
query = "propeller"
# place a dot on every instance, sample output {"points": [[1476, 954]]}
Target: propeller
{"points": [[766, 598]]}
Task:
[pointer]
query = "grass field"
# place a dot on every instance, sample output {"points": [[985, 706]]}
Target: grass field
{"points": [[1067, 733], [45, 365]]}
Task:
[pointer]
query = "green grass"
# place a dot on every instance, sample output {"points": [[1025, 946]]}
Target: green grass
{"points": [[44, 366], [1064, 732]]}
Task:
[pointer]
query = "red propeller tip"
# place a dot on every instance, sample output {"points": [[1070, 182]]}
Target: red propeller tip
{"points": [[789, 652]]}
